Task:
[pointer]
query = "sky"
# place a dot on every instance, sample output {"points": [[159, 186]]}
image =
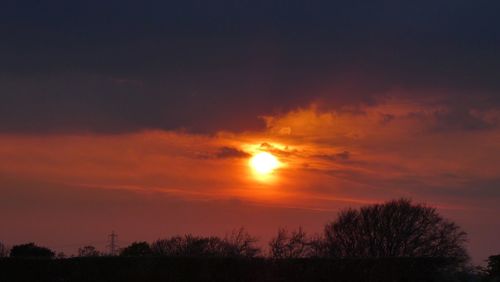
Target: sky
{"points": [[141, 116]]}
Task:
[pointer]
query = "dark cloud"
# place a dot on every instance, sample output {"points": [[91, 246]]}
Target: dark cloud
{"points": [[454, 118], [224, 153], [460, 119], [342, 156], [230, 152], [118, 66]]}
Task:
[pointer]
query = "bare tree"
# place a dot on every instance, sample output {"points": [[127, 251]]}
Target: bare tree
{"points": [[88, 251], [168, 247], [317, 246], [236, 244], [295, 244], [397, 228], [199, 246], [187, 245], [289, 245], [241, 244]]}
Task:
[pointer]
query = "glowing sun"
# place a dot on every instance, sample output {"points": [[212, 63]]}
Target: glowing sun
{"points": [[264, 163]]}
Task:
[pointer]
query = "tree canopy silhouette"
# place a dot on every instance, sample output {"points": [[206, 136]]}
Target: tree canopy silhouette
{"points": [[493, 269], [294, 244], [397, 228], [237, 244], [137, 249], [88, 251], [31, 250]]}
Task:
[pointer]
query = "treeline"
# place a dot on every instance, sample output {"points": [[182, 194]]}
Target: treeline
{"points": [[239, 244], [395, 229]]}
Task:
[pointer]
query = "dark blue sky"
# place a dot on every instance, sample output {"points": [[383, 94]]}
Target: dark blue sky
{"points": [[118, 66]]}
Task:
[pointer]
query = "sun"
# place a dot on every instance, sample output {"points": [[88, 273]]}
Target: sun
{"points": [[264, 163]]}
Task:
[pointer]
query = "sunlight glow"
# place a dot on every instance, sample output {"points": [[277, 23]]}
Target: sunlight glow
{"points": [[264, 163]]}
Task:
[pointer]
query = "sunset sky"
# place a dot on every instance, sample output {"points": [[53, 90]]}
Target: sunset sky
{"points": [[142, 116]]}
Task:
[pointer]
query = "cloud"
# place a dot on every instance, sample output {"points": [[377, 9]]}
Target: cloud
{"points": [[284, 151], [461, 119], [198, 73], [456, 119], [229, 152], [342, 156]]}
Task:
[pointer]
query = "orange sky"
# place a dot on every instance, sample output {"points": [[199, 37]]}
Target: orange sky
{"points": [[149, 184]]}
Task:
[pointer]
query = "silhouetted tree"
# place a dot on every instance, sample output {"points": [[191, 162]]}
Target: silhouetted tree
{"points": [[317, 246], [396, 228], [3, 250], [295, 244], [493, 269], [241, 244], [168, 246], [237, 244], [289, 245], [187, 245], [31, 250], [88, 251], [137, 249]]}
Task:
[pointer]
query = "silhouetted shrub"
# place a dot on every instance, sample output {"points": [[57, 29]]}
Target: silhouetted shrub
{"points": [[88, 251], [137, 249], [31, 250]]}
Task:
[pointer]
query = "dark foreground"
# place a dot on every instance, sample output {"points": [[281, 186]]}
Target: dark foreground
{"points": [[153, 269]]}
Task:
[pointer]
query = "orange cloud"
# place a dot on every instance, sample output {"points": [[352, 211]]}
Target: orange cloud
{"points": [[327, 156], [329, 160]]}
